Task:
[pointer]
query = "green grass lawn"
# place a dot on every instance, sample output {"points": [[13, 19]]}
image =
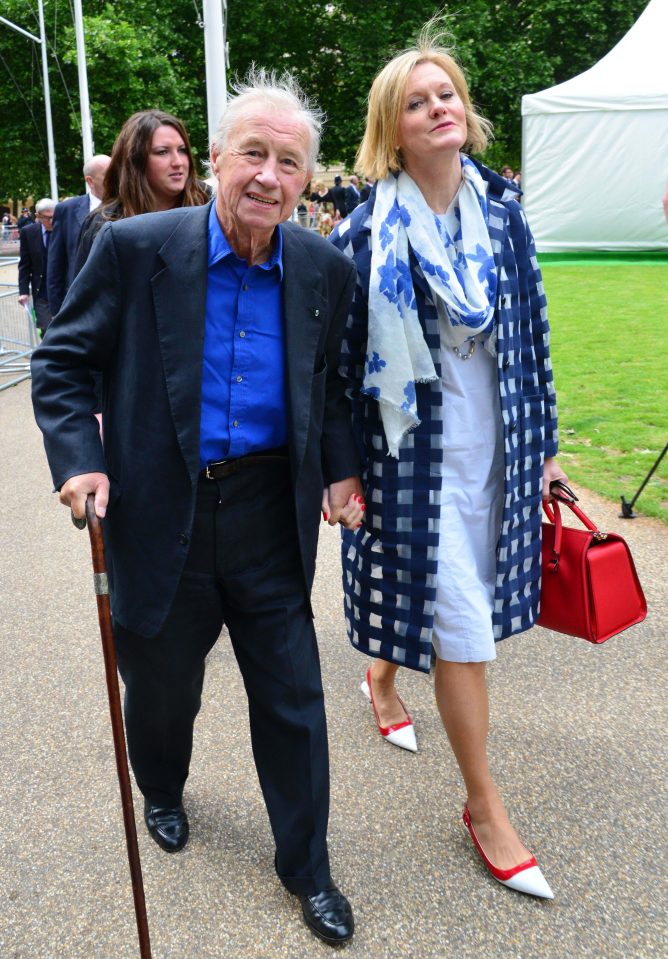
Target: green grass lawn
{"points": [[609, 345]]}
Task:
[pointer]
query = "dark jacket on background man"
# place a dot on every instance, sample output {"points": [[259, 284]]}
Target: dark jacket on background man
{"points": [[68, 218], [32, 262]]}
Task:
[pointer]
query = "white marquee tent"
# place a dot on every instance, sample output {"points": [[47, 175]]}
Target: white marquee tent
{"points": [[595, 148]]}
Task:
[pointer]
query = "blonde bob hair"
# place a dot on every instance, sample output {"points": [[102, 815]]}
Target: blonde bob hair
{"points": [[379, 154]]}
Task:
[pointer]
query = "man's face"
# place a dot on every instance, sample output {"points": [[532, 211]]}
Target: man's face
{"points": [[261, 172], [45, 217]]}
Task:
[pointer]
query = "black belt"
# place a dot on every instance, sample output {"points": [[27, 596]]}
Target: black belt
{"points": [[223, 468]]}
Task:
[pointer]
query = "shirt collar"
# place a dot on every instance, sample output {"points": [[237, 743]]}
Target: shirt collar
{"points": [[219, 247]]}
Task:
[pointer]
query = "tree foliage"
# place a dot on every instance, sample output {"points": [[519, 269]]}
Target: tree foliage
{"points": [[144, 53]]}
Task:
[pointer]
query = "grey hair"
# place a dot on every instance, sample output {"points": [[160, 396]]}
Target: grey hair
{"points": [[46, 203], [268, 89]]}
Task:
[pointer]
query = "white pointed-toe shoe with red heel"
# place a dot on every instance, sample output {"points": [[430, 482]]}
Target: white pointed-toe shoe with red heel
{"points": [[400, 734], [526, 877]]}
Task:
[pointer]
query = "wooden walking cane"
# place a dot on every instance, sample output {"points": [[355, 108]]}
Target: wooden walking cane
{"points": [[109, 652]]}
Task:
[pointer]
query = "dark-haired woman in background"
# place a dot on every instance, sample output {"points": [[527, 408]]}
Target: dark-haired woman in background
{"points": [[152, 169]]}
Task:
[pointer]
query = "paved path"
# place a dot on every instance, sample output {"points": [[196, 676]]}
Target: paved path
{"points": [[578, 747]]}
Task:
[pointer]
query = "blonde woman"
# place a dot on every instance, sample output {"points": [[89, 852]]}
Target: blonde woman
{"points": [[447, 354]]}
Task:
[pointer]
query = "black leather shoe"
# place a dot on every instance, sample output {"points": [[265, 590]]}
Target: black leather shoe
{"points": [[328, 915], [168, 826]]}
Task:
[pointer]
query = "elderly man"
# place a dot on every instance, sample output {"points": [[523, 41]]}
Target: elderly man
{"points": [[68, 220], [217, 330], [34, 241]]}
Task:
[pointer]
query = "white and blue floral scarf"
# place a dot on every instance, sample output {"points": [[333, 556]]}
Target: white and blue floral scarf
{"points": [[458, 264]]}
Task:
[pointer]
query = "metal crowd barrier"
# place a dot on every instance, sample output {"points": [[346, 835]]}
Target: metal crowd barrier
{"points": [[18, 333]]}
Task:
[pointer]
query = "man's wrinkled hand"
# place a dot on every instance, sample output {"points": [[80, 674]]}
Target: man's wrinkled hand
{"points": [[74, 493]]}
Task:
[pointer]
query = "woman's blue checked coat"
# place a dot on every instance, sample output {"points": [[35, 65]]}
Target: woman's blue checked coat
{"points": [[390, 564]]}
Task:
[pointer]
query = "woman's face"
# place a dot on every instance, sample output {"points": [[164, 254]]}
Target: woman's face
{"points": [[433, 118], [167, 166]]}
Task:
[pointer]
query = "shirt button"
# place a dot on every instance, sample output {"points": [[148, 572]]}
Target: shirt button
{"points": [[183, 539], [239, 379], [242, 333], [236, 423]]}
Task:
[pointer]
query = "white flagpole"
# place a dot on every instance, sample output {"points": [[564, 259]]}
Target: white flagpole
{"points": [[215, 59], [47, 98], [47, 104], [86, 123]]}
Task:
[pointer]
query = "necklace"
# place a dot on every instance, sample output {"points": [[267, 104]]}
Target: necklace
{"points": [[465, 356]]}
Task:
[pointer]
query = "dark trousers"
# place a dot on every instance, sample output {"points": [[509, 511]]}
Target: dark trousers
{"points": [[243, 570], [42, 313]]}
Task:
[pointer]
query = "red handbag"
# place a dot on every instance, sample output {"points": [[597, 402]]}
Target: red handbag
{"points": [[590, 587]]}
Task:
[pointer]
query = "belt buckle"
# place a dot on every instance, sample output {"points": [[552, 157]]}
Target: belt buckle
{"points": [[207, 472]]}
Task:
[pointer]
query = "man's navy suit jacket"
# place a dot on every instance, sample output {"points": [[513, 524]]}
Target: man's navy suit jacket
{"points": [[68, 219], [137, 312], [32, 279]]}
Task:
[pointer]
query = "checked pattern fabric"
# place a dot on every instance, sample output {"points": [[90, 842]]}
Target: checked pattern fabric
{"points": [[390, 564]]}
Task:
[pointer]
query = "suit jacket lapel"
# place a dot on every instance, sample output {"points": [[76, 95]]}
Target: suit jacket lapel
{"points": [[179, 297], [304, 313]]}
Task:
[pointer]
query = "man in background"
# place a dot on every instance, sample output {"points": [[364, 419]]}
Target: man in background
{"points": [[366, 189], [352, 194], [337, 195], [68, 219], [25, 219], [34, 252]]}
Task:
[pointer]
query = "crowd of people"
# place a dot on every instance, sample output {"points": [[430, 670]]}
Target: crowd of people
{"points": [[253, 379]]}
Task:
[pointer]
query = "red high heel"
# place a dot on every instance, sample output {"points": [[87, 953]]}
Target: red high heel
{"points": [[400, 734], [526, 878]]}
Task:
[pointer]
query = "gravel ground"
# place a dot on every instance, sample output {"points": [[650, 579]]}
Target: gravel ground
{"points": [[577, 744]]}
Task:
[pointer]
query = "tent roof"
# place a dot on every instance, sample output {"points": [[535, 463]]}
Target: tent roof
{"points": [[633, 76]]}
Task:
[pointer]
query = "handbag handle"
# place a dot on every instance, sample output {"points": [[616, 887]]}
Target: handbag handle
{"points": [[553, 512], [558, 488]]}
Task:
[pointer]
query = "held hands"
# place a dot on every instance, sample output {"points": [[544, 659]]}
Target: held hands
{"points": [[552, 471], [74, 491], [343, 503]]}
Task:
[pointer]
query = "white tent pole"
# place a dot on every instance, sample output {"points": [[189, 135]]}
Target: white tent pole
{"points": [[214, 55], [47, 104], [86, 124]]}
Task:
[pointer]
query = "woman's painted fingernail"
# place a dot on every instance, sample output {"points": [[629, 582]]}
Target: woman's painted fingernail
{"points": [[325, 516], [363, 506]]}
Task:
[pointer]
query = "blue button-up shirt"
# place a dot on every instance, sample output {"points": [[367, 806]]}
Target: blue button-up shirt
{"points": [[243, 375]]}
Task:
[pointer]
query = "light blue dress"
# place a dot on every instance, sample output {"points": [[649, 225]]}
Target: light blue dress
{"points": [[471, 501], [471, 507]]}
